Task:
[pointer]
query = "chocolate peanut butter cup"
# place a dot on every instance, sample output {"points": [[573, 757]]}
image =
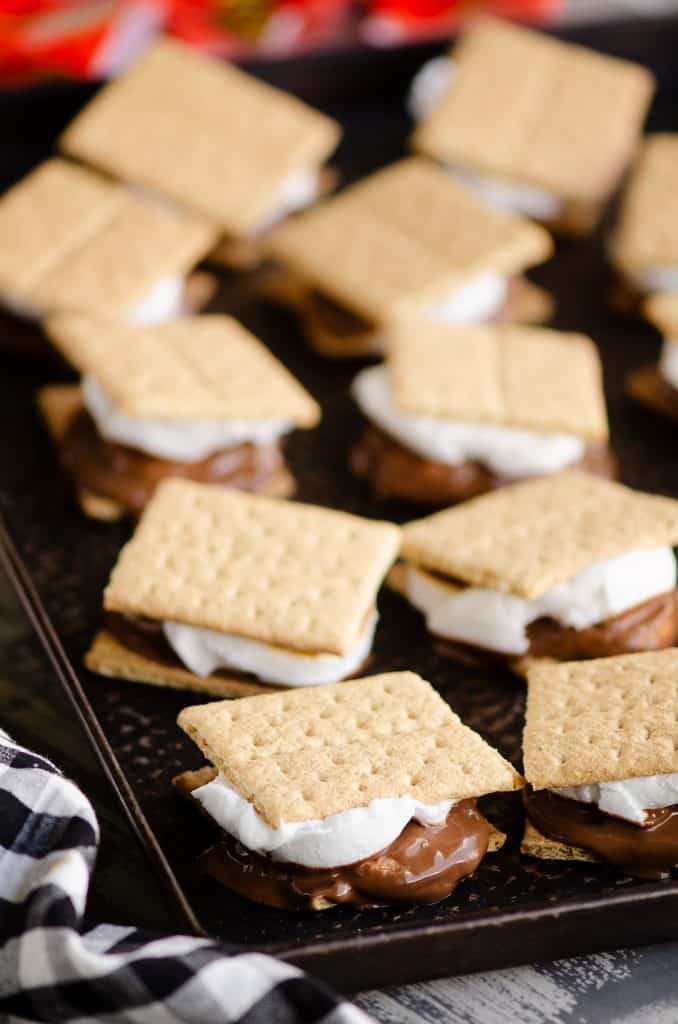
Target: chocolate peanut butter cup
{"points": [[361, 792], [405, 240], [600, 756], [565, 567], [200, 398]]}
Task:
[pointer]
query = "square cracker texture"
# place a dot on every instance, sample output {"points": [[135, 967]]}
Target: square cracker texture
{"points": [[525, 377], [602, 720], [203, 133], [528, 538], [406, 234], [532, 109], [202, 367], [308, 754], [73, 240], [647, 231], [297, 576]]}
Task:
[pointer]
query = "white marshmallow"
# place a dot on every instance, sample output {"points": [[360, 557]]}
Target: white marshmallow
{"points": [[339, 839], [510, 452], [627, 798], [163, 302], [203, 651], [656, 279], [474, 303], [428, 87], [498, 622], [298, 191], [183, 440], [668, 363]]}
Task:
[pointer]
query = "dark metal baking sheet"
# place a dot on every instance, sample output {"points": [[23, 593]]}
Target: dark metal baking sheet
{"points": [[515, 909]]}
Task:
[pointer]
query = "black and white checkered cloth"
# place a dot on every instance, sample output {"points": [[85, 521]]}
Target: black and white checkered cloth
{"points": [[54, 968]]}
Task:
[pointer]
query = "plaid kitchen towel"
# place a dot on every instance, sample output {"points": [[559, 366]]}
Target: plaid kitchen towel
{"points": [[53, 968]]}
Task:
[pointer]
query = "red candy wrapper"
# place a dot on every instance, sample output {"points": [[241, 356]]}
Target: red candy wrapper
{"points": [[97, 38]]}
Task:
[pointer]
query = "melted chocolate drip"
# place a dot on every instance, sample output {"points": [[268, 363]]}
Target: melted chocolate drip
{"points": [[129, 476], [423, 865], [646, 851]]}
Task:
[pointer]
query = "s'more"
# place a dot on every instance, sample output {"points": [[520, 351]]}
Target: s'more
{"points": [[456, 411], [222, 592], [75, 242], [533, 124], [199, 398], [656, 384], [562, 568], [209, 137], [361, 792], [407, 240], [601, 760], [644, 245]]}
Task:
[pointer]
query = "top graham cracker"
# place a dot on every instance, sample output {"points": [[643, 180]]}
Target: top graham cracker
{"points": [[202, 367], [602, 720], [202, 133], [535, 110], [297, 576], [406, 234], [527, 377], [77, 241], [303, 755], [647, 232], [528, 538], [661, 309]]}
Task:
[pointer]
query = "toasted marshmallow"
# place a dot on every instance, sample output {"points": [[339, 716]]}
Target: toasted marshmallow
{"points": [[668, 363], [474, 303], [203, 651], [507, 451], [181, 440], [629, 799], [498, 621], [339, 839]]}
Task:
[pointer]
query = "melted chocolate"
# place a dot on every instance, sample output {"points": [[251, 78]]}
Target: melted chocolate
{"points": [[397, 472], [129, 476], [423, 865], [646, 851], [649, 626]]}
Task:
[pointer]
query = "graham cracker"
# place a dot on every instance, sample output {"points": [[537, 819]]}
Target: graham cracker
{"points": [[405, 235], [299, 756], [661, 309], [535, 110], [118, 265], [526, 377], [50, 213], [648, 386], [108, 657], [647, 228], [202, 367], [203, 133], [293, 575], [527, 538], [534, 844], [602, 720]]}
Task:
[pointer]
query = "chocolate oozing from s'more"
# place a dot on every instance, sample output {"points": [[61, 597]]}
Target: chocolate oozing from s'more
{"points": [[423, 865], [129, 476], [371, 832], [648, 850], [395, 471]]}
